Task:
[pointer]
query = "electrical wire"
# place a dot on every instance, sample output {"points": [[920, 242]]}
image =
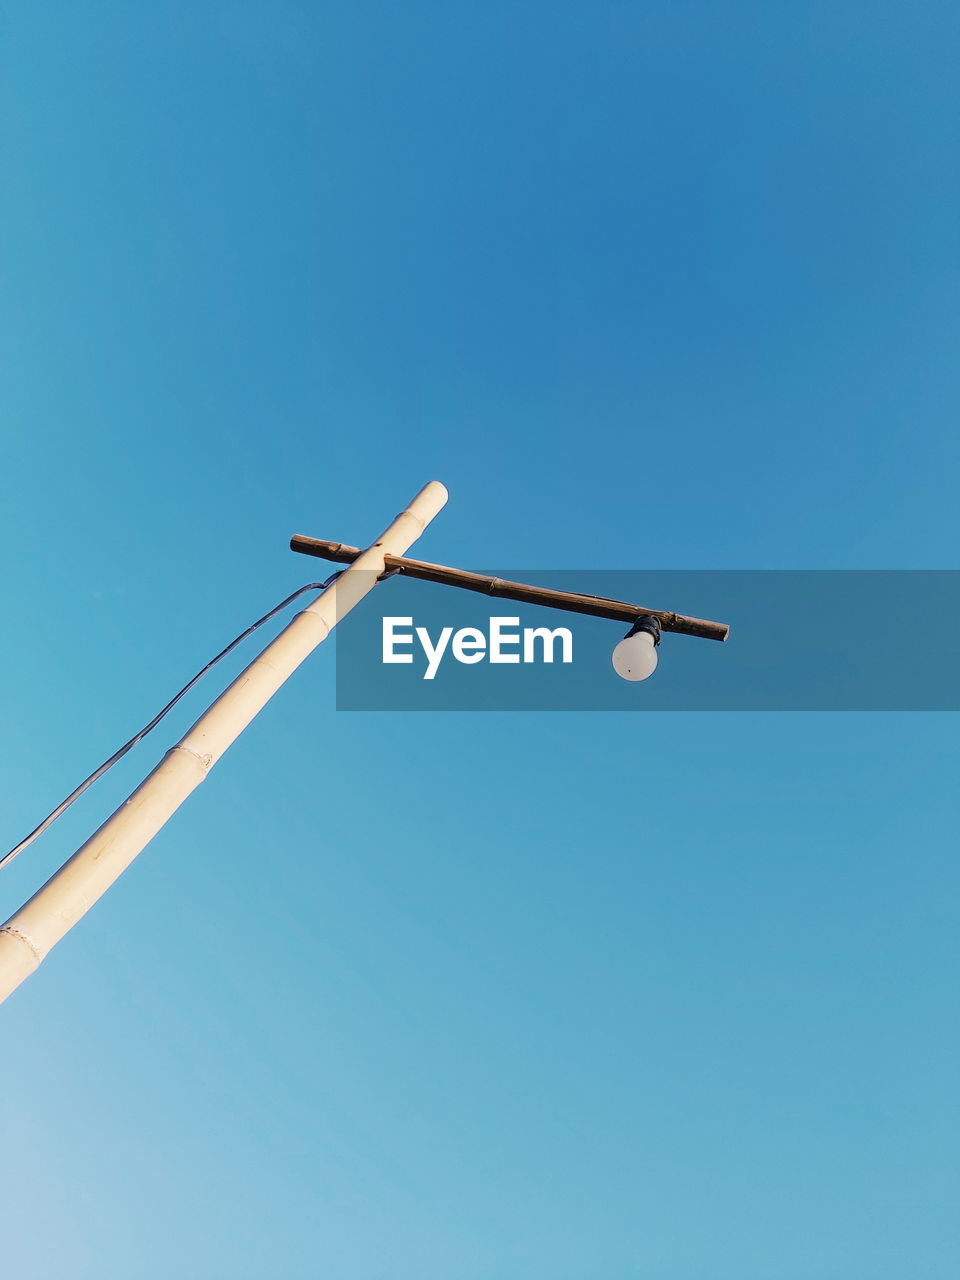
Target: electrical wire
{"points": [[138, 737]]}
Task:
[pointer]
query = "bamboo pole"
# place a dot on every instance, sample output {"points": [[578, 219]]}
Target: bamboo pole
{"points": [[572, 602], [29, 934]]}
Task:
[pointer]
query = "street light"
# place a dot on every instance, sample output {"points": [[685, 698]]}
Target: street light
{"points": [[635, 657], [30, 933]]}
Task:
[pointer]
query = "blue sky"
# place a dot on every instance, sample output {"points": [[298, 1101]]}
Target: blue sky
{"points": [[462, 995]]}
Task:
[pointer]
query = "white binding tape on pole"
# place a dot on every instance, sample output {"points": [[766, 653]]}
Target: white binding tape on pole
{"points": [[30, 933]]}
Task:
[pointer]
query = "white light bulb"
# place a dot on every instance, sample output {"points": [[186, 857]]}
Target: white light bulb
{"points": [[635, 658]]}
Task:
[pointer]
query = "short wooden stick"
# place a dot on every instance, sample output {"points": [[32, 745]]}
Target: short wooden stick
{"points": [[571, 601]]}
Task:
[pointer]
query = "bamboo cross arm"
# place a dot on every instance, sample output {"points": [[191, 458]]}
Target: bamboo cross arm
{"points": [[571, 601]]}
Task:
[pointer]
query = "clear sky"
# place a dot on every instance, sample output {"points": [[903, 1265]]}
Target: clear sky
{"points": [[470, 996]]}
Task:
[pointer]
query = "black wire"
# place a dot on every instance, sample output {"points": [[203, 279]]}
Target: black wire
{"points": [[117, 755]]}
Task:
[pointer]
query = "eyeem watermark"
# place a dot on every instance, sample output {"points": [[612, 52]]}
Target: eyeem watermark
{"points": [[802, 640], [503, 642]]}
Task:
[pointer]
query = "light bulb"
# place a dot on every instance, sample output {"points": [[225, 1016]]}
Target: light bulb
{"points": [[635, 657]]}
